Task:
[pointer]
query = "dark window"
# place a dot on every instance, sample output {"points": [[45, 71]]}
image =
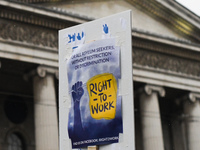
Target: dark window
{"points": [[15, 109]]}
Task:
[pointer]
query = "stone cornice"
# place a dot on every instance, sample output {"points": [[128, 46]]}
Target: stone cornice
{"points": [[181, 11], [168, 17], [182, 43], [29, 18], [37, 15], [165, 46]]}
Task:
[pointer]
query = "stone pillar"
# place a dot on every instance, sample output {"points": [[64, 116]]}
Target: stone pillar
{"points": [[150, 118], [45, 111], [192, 121]]}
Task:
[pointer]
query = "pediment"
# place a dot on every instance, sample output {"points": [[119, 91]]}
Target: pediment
{"points": [[153, 17]]}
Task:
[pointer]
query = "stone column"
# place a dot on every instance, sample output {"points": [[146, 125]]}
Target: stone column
{"points": [[45, 111], [192, 121], [150, 118]]}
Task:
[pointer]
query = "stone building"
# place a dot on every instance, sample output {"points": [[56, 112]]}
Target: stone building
{"points": [[166, 70]]}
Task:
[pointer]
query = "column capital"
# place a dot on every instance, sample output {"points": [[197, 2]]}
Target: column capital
{"points": [[149, 89], [41, 71], [193, 97]]}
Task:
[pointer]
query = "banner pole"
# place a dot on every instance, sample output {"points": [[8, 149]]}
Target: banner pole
{"points": [[93, 147]]}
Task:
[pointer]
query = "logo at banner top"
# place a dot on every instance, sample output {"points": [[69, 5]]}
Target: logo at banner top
{"points": [[102, 90]]}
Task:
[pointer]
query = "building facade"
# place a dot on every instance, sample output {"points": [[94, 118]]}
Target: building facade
{"points": [[166, 70]]}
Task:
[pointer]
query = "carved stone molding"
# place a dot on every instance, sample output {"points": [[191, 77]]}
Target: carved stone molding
{"points": [[193, 97], [149, 89], [165, 49], [188, 103], [41, 71], [173, 21], [28, 34], [32, 19], [166, 62]]}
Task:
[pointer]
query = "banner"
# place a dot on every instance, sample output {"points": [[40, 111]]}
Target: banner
{"points": [[95, 115]]}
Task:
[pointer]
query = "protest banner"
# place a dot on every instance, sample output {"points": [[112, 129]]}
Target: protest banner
{"points": [[95, 84]]}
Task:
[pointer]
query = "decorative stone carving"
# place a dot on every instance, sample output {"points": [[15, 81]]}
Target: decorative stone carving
{"points": [[166, 62], [41, 71], [152, 88], [165, 48], [29, 34], [149, 89], [189, 97], [193, 97]]}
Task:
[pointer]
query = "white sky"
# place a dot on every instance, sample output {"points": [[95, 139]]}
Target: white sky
{"points": [[193, 5]]}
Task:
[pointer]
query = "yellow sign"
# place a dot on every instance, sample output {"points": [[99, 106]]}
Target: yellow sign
{"points": [[102, 90]]}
